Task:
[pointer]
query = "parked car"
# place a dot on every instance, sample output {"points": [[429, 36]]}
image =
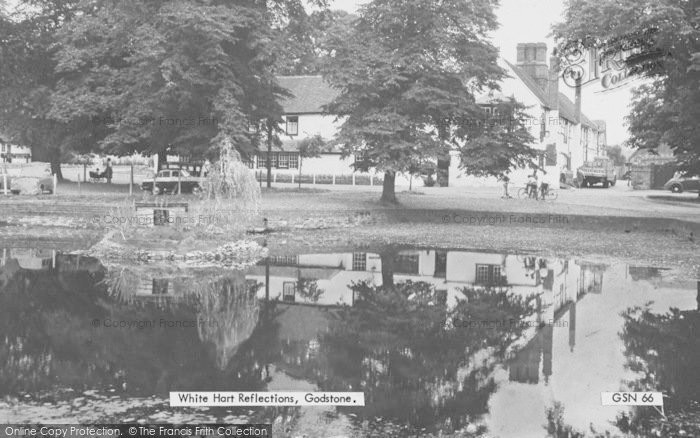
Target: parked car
{"points": [[168, 181], [600, 171], [679, 184]]}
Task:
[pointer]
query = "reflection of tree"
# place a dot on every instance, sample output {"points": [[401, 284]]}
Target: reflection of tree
{"points": [[664, 351], [388, 257], [228, 313], [307, 288], [397, 346], [50, 341], [556, 427]]}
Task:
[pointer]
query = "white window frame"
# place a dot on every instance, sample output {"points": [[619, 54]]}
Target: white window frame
{"points": [[292, 121]]}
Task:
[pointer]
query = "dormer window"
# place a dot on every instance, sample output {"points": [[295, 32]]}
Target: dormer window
{"points": [[292, 125]]}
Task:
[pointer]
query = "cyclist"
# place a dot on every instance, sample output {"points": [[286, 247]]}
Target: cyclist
{"points": [[532, 185], [544, 187]]}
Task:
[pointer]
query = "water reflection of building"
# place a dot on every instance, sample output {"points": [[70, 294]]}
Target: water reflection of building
{"points": [[558, 284], [283, 278], [29, 258], [35, 259], [535, 359]]}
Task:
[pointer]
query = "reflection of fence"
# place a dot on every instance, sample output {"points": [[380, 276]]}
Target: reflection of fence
{"points": [[343, 179], [651, 176]]}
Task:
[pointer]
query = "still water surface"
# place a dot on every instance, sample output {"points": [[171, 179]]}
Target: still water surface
{"points": [[460, 342]]}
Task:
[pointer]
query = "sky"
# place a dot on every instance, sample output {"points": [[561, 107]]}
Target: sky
{"points": [[524, 21]]}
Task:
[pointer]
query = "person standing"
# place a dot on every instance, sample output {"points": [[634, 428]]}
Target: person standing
{"points": [[108, 171], [532, 184], [506, 181]]}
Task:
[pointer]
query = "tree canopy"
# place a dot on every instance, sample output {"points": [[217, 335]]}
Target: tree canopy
{"points": [[407, 72], [129, 76], [666, 36]]}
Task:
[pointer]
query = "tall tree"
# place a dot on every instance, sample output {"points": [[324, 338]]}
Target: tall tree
{"points": [[407, 71], [154, 76], [27, 79], [666, 37]]}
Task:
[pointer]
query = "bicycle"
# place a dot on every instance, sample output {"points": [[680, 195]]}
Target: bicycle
{"points": [[526, 193]]}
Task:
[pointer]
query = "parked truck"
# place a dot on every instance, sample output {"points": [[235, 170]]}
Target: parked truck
{"points": [[600, 171]]}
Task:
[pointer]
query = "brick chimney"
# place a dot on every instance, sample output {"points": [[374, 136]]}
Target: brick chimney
{"points": [[552, 89], [532, 58]]}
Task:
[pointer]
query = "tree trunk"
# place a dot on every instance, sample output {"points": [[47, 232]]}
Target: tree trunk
{"points": [[300, 160], [56, 164], [162, 159], [388, 190], [387, 257]]}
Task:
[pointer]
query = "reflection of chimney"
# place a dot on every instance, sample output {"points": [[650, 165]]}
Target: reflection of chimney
{"points": [[532, 58], [572, 326], [548, 341]]}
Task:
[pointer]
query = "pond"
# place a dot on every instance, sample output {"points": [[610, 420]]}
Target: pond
{"points": [[468, 343]]}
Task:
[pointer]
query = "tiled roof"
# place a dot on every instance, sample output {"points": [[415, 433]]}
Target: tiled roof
{"points": [[567, 109], [530, 83], [309, 94]]}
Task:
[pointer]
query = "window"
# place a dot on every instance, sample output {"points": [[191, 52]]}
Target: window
{"points": [[551, 155], [488, 274], [294, 161], [288, 291], [440, 264], [406, 264], [292, 125], [283, 162], [161, 216], [359, 261], [250, 161], [284, 260], [252, 127], [159, 286], [176, 173]]}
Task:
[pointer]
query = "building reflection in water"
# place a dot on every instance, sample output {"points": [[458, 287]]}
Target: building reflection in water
{"points": [[559, 284]]}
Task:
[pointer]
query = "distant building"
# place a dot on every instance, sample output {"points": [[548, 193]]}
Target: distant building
{"points": [[644, 157], [565, 138], [13, 153]]}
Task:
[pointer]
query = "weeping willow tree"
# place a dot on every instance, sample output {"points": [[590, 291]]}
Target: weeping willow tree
{"points": [[228, 314], [227, 307], [231, 181]]}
